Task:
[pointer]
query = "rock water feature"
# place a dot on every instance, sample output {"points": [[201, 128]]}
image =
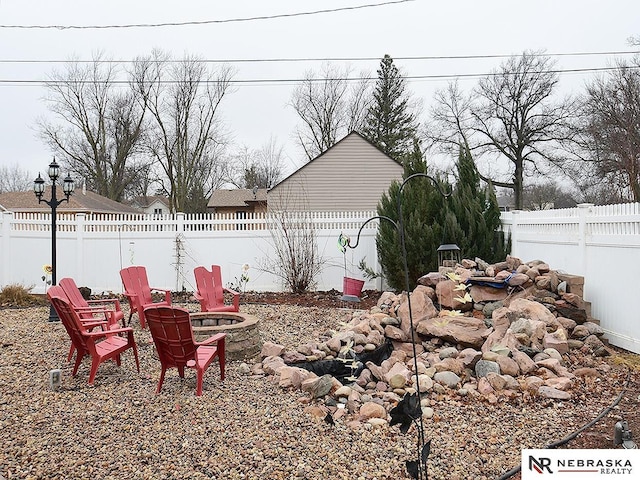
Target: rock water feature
{"points": [[486, 332]]}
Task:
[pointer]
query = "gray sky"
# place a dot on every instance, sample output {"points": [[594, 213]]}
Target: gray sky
{"points": [[256, 112]]}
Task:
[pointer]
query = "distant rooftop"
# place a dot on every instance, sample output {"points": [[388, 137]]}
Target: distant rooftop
{"points": [[79, 202], [239, 197]]}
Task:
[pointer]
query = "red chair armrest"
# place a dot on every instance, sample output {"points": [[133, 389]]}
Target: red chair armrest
{"points": [[232, 292], [110, 332], [92, 323], [167, 293], [115, 301]]}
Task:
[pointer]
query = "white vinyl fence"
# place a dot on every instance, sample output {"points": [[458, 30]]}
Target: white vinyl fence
{"points": [[93, 248], [601, 243]]}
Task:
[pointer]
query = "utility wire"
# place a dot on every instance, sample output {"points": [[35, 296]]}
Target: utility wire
{"points": [[205, 22], [341, 59], [285, 81]]}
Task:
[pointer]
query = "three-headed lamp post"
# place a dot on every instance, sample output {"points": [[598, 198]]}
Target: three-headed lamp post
{"points": [[54, 202]]}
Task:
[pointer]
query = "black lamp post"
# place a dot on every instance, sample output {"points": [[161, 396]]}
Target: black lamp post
{"points": [[67, 189]]}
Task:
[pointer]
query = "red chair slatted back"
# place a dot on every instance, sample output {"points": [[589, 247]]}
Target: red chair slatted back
{"points": [[209, 285], [69, 318], [172, 334], [135, 281], [75, 297]]}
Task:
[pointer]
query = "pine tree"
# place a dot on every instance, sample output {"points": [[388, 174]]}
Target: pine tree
{"points": [[473, 222], [469, 218], [389, 123], [423, 211]]}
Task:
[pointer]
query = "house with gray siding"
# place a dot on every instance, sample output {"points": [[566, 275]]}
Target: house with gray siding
{"points": [[352, 175]]}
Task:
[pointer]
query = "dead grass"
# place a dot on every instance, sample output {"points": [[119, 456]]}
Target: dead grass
{"points": [[16, 295]]}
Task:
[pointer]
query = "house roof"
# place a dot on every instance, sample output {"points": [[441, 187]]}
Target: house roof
{"points": [[240, 197], [79, 202], [145, 201], [352, 133]]}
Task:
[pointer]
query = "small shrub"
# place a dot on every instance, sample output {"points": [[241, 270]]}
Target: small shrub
{"points": [[17, 296]]}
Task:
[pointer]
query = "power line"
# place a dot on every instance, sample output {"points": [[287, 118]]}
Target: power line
{"points": [[343, 59], [285, 81], [205, 22]]}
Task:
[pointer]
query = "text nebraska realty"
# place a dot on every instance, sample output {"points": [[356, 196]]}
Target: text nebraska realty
{"points": [[608, 466], [579, 465]]}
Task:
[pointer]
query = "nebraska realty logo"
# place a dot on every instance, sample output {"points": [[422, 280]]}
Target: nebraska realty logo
{"points": [[578, 464]]}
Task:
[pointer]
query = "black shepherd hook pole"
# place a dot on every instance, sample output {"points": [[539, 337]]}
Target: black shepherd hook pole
{"points": [[421, 469]]}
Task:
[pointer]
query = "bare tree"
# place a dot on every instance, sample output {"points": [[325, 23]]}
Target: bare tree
{"points": [[262, 168], [450, 125], [330, 106], [100, 127], [611, 129], [13, 178], [546, 195], [186, 139], [511, 115], [296, 259]]}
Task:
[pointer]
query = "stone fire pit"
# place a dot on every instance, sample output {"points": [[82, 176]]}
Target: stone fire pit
{"points": [[243, 335]]}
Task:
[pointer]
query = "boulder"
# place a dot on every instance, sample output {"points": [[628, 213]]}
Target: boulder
{"points": [[448, 379], [469, 357], [523, 308], [448, 296], [501, 319], [466, 331], [484, 367], [372, 410], [525, 364], [508, 366], [485, 293], [270, 349], [556, 340], [421, 308], [553, 393], [293, 377], [318, 386]]}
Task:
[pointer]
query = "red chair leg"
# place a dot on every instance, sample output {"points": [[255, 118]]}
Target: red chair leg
{"points": [[199, 380], [94, 369], [161, 380], [221, 358]]}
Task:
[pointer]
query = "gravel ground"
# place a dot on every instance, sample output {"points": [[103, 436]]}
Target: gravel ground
{"points": [[243, 428]]}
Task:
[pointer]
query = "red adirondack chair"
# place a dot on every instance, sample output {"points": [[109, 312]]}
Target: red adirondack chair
{"points": [[87, 309], [172, 335], [92, 313], [101, 345], [138, 292], [210, 291]]}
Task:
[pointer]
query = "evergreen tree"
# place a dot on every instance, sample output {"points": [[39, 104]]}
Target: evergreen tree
{"points": [[470, 218], [473, 220], [389, 123], [423, 211]]}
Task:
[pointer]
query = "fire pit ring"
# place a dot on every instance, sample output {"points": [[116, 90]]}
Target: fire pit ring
{"points": [[243, 335]]}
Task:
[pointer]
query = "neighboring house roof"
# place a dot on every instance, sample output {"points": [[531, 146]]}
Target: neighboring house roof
{"points": [[505, 203], [79, 202], [240, 197], [351, 175], [146, 201]]}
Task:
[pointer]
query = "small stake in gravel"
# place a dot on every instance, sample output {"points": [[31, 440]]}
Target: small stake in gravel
{"points": [[55, 379]]}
